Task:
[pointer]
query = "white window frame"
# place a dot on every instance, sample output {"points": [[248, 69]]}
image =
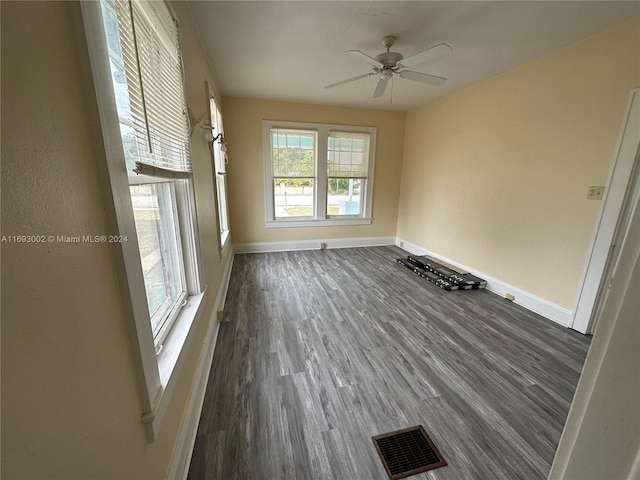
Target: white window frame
{"points": [[157, 369], [320, 217], [220, 161]]}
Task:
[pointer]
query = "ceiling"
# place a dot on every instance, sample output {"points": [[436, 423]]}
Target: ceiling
{"points": [[289, 50]]}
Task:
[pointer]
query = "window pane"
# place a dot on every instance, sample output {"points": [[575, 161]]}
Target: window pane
{"points": [[158, 240], [130, 146], [344, 196], [293, 153], [119, 79], [223, 211], [293, 197], [110, 20]]}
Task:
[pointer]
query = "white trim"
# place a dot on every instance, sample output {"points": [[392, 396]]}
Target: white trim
{"points": [[181, 458], [320, 222], [603, 249], [319, 244], [635, 468], [320, 201], [547, 309], [269, 209], [179, 467], [224, 286], [190, 236], [115, 190], [224, 238], [170, 361]]}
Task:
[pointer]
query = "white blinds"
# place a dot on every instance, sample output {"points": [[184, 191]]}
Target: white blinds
{"points": [[153, 66], [348, 155]]}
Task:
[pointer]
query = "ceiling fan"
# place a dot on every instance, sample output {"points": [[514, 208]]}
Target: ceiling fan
{"points": [[389, 63]]}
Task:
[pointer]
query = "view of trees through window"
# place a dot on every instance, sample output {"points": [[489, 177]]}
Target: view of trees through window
{"points": [[293, 157], [293, 166]]}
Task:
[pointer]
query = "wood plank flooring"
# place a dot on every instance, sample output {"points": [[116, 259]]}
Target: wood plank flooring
{"points": [[325, 349]]}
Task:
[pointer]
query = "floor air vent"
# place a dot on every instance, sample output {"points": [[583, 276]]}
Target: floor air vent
{"points": [[407, 452]]}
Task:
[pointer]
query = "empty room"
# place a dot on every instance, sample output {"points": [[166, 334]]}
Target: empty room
{"points": [[349, 240]]}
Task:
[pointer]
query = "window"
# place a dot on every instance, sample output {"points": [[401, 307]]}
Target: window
{"points": [[318, 174], [347, 170], [146, 69], [157, 229], [136, 64], [220, 163], [293, 163]]}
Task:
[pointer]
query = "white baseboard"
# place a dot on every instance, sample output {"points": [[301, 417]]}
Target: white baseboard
{"points": [[263, 247], [179, 467], [221, 298], [528, 300]]}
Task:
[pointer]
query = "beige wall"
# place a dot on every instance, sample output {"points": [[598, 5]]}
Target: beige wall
{"points": [[243, 127], [495, 177], [70, 407]]}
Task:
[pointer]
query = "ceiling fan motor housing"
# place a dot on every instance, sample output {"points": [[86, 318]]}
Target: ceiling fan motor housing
{"points": [[389, 59]]}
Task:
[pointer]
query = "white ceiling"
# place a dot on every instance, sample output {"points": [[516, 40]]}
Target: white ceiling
{"points": [[289, 50]]}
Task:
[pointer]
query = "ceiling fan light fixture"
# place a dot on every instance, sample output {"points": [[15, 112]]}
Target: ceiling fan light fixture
{"points": [[386, 73]]}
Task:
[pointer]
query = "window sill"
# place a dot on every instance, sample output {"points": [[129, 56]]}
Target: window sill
{"points": [[308, 222], [170, 360]]}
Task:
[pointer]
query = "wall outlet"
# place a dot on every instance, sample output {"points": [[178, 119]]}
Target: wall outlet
{"points": [[510, 297], [595, 193]]}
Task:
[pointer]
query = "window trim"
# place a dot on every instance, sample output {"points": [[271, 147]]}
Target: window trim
{"points": [[321, 178], [222, 208], [157, 373]]}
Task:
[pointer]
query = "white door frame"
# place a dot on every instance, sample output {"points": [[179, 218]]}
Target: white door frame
{"points": [[611, 222]]}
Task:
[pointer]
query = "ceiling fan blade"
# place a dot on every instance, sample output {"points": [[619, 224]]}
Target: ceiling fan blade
{"points": [[426, 56], [422, 77], [364, 57], [350, 80], [380, 87]]}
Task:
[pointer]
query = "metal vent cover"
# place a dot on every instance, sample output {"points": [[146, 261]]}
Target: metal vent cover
{"points": [[407, 452]]}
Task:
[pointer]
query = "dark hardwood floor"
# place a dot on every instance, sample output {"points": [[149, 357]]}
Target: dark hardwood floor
{"points": [[325, 349]]}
